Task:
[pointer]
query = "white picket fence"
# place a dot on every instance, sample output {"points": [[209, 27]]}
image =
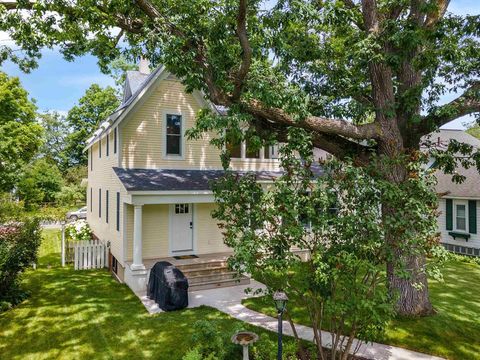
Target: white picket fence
{"points": [[92, 254]]}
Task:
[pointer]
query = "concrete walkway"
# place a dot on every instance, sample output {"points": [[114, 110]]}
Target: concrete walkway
{"points": [[229, 301]]}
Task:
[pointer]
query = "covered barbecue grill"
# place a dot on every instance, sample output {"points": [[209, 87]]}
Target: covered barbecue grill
{"points": [[168, 287]]}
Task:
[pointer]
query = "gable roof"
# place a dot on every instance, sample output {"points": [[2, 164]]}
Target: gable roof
{"points": [[470, 188], [138, 84], [139, 90]]}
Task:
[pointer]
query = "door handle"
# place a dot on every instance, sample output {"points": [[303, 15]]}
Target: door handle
{"points": [[191, 224]]}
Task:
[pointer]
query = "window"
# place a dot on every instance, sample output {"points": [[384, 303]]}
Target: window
{"points": [[235, 150], [100, 148], [91, 199], [460, 216], [99, 203], [174, 135], [118, 211], [115, 141], [107, 150], [114, 265], [106, 206], [181, 208], [250, 152]]}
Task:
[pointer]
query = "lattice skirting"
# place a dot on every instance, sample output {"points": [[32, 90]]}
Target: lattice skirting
{"points": [[464, 250]]}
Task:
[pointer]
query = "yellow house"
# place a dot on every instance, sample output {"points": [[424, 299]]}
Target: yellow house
{"points": [[148, 195]]}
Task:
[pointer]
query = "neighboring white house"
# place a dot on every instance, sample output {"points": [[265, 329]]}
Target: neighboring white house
{"points": [[149, 191], [459, 204]]}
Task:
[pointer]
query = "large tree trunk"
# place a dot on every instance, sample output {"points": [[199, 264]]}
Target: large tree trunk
{"points": [[413, 297], [411, 292]]}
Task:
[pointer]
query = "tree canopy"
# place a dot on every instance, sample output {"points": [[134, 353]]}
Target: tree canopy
{"points": [[20, 134], [83, 119]]}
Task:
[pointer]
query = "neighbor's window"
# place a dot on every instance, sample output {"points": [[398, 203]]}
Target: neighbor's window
{"points": [[174, 135], [461, 215]]}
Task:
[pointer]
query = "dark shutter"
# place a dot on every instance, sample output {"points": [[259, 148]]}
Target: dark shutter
{"points": [[449, 214], [118, 211], [106, 205], [472, 216], [107, 150], [115, 141], [99, 203]]}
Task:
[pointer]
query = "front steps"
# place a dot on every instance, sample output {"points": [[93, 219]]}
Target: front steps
{"points": [[211, 274]]}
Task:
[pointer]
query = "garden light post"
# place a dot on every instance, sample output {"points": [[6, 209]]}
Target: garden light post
{"points": [[280, 299]]}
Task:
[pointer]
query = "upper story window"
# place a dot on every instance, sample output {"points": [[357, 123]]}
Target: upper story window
{"points": [[173, 135], [244, 150], [460, 216]]}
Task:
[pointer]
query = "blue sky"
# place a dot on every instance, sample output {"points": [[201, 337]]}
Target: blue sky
{"points": [[57, 84]]}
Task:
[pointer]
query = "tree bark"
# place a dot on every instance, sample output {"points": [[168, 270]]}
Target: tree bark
{"points": [[411, 292]]}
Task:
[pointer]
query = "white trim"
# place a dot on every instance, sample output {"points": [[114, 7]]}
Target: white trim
{"points": [[123, 229], [170, 231], [170, 199], [166, 156], [464, 203], [461, 197], [172, 192]]}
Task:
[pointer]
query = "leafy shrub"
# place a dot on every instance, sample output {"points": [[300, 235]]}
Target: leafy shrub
{"points": [[9, 209], [71, 195], [266, 349], [211, 343], [19, 243], [78, 231]]}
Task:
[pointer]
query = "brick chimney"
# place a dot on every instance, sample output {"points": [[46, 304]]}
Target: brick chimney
{"points": [[144, 66]]}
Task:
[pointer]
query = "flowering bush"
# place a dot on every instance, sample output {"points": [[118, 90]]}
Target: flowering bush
{"points": [[19, 242], [78, 231]]}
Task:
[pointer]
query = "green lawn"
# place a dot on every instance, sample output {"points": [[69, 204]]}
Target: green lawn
{"points": [[87, 315], [453, 333]]}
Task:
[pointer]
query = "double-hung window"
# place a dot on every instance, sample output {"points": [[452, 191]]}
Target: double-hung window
{"points": [[173, 145], [460, 216]]}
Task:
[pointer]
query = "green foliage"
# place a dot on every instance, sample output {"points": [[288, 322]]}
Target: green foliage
{"points": [[19, 243], [92, 109], [78, 231], [55, 133], [338, 219], [20, 135], [474, 130], [267, 349], [40, 183], [211, 343], [10, 209]]}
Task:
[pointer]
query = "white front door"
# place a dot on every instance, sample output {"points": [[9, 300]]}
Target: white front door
{"points": [[181, 228]]}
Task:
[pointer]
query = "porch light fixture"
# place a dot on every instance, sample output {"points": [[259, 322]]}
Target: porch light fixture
{"points": [[280, 299]]}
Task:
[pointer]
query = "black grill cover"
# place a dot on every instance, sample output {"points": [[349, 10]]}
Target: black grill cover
{"points": [[168, 287]]}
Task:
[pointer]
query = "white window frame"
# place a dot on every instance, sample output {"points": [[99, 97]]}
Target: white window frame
{"points": [[272, 149], [455, 203], [182, 136]]}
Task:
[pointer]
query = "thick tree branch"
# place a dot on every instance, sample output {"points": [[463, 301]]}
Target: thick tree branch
{"points": [[436, 16], [246, 49], [465, 104], [336, 145], [315, 123]]}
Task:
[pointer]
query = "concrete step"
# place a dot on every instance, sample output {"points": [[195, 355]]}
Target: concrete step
{"points": [[202, 265], [205, 271], [219, 284], [211, 277]]}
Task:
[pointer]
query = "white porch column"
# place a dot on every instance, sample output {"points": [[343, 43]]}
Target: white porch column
{"points": [[137, 239]]}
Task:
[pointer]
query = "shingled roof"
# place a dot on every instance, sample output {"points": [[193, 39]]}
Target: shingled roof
{"points": [[184, 180]]}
